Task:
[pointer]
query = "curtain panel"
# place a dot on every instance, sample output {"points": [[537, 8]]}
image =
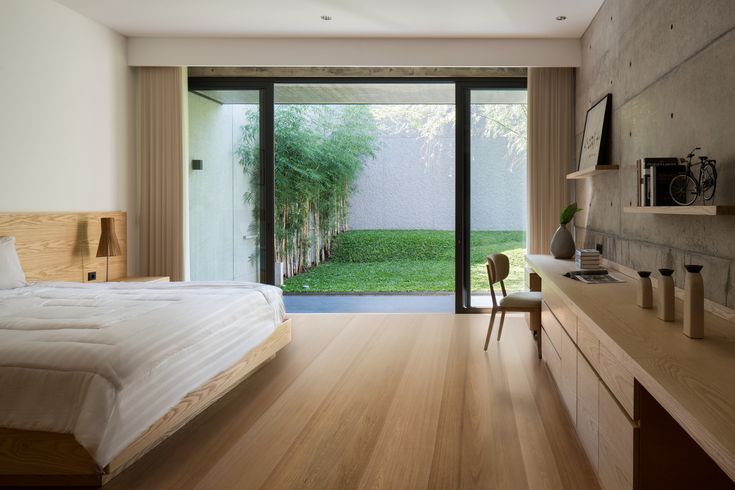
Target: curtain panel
{"points": [[161, 153], [551, 152]]}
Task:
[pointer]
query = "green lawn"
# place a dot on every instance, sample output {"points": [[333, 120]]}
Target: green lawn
{"points": [[407, 261]]}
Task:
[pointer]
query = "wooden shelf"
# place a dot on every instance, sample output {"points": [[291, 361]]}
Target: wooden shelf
{"points": [[690, 210], [589, 172]]}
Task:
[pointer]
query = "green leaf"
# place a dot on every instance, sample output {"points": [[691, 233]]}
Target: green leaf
{"points": [[568, 213]]}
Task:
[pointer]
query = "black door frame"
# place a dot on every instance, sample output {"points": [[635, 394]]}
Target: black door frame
{"points": [[463, 159], [267, 250], [463, 86]]}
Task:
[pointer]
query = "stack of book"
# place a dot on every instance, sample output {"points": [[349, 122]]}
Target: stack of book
{"points": [[654, 177], [587, 259]]}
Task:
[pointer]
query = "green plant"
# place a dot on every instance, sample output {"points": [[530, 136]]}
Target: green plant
{"points": [[567, 214], [408, 261], [319, 153]]}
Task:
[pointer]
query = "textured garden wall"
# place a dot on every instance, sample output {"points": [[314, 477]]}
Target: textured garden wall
{"points": [[410, 185]]}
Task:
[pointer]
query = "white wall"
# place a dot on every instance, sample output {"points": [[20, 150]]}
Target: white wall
{"points": [[148, 51], [66, 114]]}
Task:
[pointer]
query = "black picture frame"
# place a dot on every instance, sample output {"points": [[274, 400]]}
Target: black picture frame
{"points": [[595, 145]]}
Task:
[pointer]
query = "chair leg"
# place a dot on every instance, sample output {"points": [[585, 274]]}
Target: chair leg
{"points": [[490, 328], [500, 327], [538, 343]]}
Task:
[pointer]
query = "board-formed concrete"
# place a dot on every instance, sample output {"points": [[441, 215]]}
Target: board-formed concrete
{"points": [[670, 67]]}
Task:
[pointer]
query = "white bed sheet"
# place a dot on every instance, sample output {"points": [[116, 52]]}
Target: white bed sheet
{"points": [[104, 361]]}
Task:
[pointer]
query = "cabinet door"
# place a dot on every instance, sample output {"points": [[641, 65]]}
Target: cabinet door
{"points": [[616, 444], [587, 408], [568, 386]]}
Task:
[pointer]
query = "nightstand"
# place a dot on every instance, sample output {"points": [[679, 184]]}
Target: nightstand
{"points": [[144, 279]]}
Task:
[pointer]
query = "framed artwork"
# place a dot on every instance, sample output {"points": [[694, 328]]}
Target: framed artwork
{"points": [[595, 138]]}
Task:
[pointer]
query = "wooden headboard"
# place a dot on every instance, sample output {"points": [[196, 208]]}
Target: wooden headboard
{"points": [[62, 246]]}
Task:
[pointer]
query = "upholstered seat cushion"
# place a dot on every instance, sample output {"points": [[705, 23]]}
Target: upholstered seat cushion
{"points": [[528, 299]]}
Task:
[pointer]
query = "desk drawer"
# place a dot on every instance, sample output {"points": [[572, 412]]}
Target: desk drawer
{"points": [[588, 344], [552, 326], [551, 357], [562, 312], [617, 378]]}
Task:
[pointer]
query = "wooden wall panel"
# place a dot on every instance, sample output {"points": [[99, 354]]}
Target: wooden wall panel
{"points": [[62, 246]]}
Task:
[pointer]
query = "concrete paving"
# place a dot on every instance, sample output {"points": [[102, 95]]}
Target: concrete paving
{"points": [[369, 303], [377, 303]]}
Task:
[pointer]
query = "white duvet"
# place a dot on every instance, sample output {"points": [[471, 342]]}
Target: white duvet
{"points": [[104, 361]]}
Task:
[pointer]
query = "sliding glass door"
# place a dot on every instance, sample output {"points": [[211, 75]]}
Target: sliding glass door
{"points": [[232, 179], [492, 210], [229, 229]]}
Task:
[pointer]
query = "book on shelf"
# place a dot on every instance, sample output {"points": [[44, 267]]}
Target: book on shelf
{"points": [[654, 175]]}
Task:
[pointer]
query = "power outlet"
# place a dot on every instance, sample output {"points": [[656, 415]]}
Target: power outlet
{"points": [[92, 276]]}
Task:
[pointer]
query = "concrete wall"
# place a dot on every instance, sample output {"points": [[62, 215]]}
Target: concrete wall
{"points": [[219, 219], [410, 185], [670, 66], [67, 115]]}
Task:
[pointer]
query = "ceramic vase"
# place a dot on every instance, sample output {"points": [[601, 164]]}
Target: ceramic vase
{"points": [[666, 295], [693, 302], [644, 296], [562, 243]]}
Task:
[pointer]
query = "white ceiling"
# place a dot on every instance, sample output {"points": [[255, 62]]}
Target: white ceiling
{"points": [[351, 18]]}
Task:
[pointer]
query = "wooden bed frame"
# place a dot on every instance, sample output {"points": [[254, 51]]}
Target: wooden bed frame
{"points": [[32, 458], [61, 247]]}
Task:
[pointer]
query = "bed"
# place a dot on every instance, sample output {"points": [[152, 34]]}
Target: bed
{"points": [[92, 376]]}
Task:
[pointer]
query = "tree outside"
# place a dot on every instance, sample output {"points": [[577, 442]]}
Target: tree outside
{"points": [[321, 151]]}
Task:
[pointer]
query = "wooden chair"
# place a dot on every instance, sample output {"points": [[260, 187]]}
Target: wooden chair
{"points": [[498, 267]]}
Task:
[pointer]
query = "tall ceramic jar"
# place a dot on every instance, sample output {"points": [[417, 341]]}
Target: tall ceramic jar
{"points": [[644, 296], [666, 295], [693, 302]]}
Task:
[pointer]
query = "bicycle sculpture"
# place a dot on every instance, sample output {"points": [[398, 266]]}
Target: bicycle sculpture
{"points": [[685, 188]]}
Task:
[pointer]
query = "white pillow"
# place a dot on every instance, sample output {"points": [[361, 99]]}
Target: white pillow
{"points": [[11, 273]]}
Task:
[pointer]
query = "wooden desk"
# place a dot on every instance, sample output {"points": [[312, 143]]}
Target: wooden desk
{"points": [[622, 344]]}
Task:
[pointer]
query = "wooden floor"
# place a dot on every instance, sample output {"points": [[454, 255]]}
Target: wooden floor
{"points": [[381, 401]]}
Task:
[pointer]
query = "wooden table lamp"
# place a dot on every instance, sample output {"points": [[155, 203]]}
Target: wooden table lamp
{"points": [[109, 246]]}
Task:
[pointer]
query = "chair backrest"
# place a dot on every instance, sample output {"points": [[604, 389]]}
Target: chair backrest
{"points": [[498, 267]]}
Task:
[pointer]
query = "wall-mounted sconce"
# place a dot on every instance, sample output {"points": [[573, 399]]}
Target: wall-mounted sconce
{"points": [[197, 165]]}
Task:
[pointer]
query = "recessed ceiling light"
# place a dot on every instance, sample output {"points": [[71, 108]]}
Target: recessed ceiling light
{"points": [[561, 17], [326, 17]]}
